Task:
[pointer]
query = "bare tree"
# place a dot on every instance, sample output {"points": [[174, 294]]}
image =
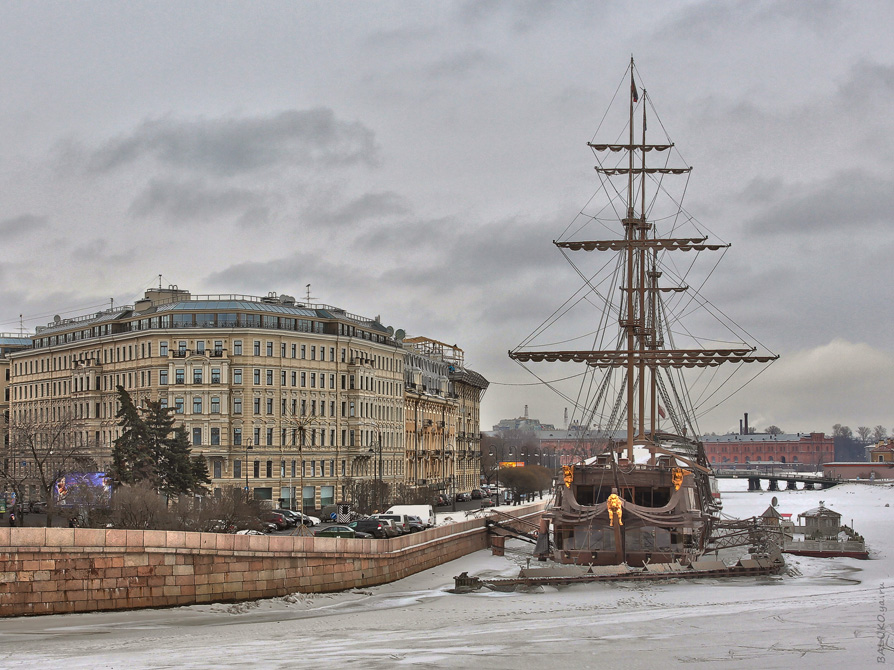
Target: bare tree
{"points": [[864, 432], [773, 430], [40, 453], [879, 433]]}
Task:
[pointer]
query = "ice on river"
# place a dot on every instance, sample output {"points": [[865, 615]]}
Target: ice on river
{"points": [[826, 613]]}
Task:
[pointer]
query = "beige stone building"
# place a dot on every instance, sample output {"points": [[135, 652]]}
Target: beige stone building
{"points": [[287, 399], [443, 401], [9, 342]]}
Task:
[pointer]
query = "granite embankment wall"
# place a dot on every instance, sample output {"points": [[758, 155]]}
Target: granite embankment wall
{"points": [[63, 570]]}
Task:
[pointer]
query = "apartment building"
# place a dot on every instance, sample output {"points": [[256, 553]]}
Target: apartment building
{"points": [[280, 397], [443, 403]]}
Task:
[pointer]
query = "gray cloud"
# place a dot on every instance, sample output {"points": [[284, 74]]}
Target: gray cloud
{"points": [[232, 146], [850, 201], [22, 225], [367, 206], [193, 201]]}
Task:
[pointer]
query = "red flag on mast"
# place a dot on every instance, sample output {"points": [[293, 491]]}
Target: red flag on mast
{"points": [[633, 92]]}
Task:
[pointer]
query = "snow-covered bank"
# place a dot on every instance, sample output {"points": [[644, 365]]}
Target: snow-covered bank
{"points": [[823, 615]]}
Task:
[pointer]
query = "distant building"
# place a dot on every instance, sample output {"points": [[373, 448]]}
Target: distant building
{"points": [[522, 424], [806, 449], [883, 452]]}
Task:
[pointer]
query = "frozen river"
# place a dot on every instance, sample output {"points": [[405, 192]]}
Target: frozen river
{"points": [[825, 614]]}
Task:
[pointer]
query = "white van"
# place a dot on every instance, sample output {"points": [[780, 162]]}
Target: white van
{"points": [[424, 512]]}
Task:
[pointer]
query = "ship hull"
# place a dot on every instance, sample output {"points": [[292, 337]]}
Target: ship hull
{"points": [[659, 523]]}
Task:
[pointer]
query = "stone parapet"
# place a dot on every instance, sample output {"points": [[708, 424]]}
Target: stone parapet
{"points": [[63, 570]]}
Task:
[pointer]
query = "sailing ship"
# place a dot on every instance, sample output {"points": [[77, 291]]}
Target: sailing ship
{"points": [[644, 493]]}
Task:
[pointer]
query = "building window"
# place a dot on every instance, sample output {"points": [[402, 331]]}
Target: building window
{"points": [[237, 405], [218, 470], [215, 405], [303, 351], [294, 349], [178, 406], [257, 435], [303, 379], [237, 347], [237, 469], [237, 437], [215, 375], [270, 348], [163, 348], [269, 437], [237, 375], [257, 405], [257, 347], [269, 468], [197, 375], [179, 376], [196, 436], [256, 376], [197, 404], [269, 377], [163, 377], [269, 405], [313, 353], [215, 438], [200, 346]]}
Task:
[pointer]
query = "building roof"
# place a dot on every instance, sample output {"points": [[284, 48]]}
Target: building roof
{"points": [[755, 437], [820, 511], [15, 341], [771, 513]]}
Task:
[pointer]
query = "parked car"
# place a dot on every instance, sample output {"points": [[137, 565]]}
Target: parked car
{"points": [[290, 517], [309, 520], [391, 529], [463, 497], [219, 526], [297, 517], [477, 494], [487, 502], [341, 531], [249, 531], [441, 500], [275, 517], [401, 521], [416, 524], [375, 527]]}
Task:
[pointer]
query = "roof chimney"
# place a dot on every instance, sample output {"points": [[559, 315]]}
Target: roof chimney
{"points": [[746, 424]]}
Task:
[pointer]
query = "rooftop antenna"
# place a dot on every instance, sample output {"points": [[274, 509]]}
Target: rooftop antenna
{"points": [[159, 281], [307, 297], [21, 325], [112, 302]]}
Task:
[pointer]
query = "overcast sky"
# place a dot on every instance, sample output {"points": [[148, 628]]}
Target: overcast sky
{"points": [[415, 160]]}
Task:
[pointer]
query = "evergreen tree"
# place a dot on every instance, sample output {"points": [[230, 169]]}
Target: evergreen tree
{"points": [[201, 478], [175, 467], [132, 461], [147, 450]]}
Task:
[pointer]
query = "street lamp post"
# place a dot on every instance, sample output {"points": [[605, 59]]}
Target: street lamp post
{"points": [[247, 447]]}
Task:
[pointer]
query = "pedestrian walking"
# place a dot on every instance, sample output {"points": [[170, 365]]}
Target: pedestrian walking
{"points": [[12, 519]]}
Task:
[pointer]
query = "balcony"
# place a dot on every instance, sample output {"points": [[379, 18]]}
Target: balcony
{"points": [[180, 353]]}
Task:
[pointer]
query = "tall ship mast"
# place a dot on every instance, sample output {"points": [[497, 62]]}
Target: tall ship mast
{"points": [[640, 488]]}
